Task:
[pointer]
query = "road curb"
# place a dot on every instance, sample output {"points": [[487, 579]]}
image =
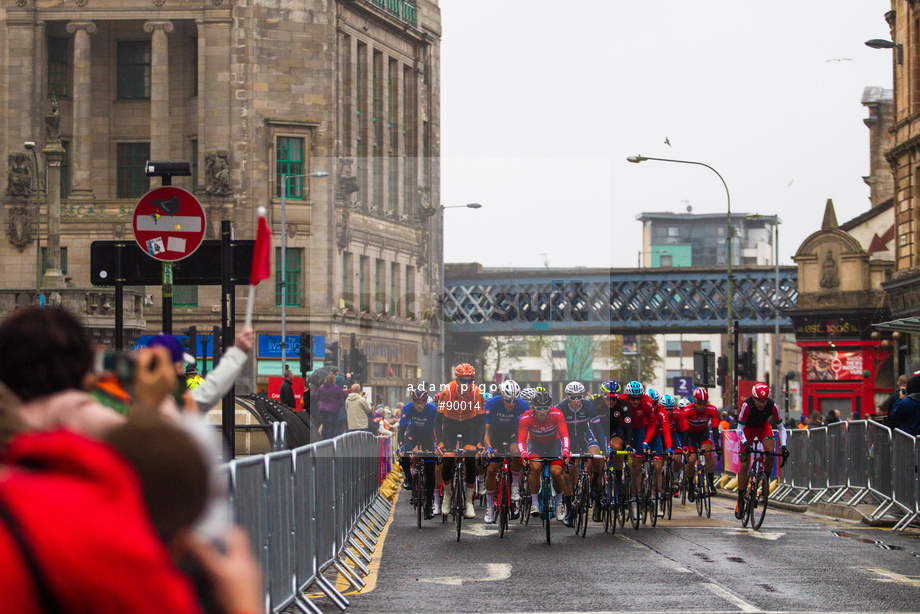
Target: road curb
{"points": [[829, 510]]}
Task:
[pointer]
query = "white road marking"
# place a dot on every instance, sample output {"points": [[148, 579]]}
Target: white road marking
{"points": [[890, 576], [757, 534], [729, 596], [495, 571]]}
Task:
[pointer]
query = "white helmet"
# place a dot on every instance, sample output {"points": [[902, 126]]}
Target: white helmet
{"points": [[528, 394], [510, 390], [574, 389], [684, 403]]}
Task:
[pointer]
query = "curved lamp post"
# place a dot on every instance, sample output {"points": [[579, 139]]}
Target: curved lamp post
{"points": [[728, 266]]}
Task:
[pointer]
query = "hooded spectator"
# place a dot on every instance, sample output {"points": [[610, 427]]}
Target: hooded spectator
{"points": [[906, 413]]}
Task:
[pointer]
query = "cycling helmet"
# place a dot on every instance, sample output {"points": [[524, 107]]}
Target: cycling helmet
{"points": [[701, 394], [419, 394], [653, 395], [543, 399], [510, 390], [464, 370], [528, 394], [760, 391], [574, 389], [684, 403], [667, 401], [540, 389], [633, 389], [611, 388]]}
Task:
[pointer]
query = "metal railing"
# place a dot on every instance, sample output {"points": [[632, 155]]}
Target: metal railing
{"points": [[862, 458], [399, 8], [309, 508]]}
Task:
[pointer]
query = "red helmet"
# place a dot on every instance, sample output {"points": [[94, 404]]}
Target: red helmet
{"points": [[701, 394], [760, 391], [464, 370]]}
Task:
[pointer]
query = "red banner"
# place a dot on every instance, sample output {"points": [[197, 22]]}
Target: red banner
{"points": [[274, 390], [831, 365]]}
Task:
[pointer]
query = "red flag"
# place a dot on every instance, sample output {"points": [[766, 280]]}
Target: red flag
{"points": [[261, 253]]}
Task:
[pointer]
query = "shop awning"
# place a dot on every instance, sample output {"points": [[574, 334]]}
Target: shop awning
{"points": [[905, 325]]}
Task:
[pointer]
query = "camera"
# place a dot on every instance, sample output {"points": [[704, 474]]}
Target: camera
{"points": [[121, 364]]}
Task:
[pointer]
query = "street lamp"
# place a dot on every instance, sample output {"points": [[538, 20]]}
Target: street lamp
{"points": [[284, 185], [880, 43], [728, 266], [776, 354], [443, 288]]}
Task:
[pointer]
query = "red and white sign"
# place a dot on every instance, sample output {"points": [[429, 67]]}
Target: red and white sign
{"points": [[274, 390], [169, 223], [833, 365]]}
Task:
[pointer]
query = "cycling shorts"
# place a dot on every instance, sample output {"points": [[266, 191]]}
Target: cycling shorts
{"points": [[582, 440], [677, 441], [757, 433], [451, 428], [638, 438], [655, 445], [696, 441], [619, 434], [553, 449], [503, 442]]}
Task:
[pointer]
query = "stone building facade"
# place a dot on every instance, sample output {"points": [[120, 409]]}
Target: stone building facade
{"points": [[254, 94]]}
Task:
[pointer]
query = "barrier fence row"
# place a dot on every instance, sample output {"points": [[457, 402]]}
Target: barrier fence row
{"points": [[308, 509], [851, 462]]}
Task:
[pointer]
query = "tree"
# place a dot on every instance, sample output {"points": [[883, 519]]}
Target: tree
{"points": [[640, 365]]}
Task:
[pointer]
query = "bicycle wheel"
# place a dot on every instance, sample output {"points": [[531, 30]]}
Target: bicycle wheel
{"points": [[707, 502], [760, 495], [459, 498], [503, 501], [607, 509], [653, 498], [683, 488], [700, 493], [547, 498], [582, 521], [643, 496], [668, 498], [746, 516], [419, 487], [621, 501], [631, 492]]}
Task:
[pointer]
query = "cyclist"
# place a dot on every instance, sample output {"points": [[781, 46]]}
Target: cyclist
{"points": [[757, 413], [416, 431], [679, 436], [702, 420], [659, 431], [542, 433], [461, 410], [527, 395], [585, 432], [503, 412], [619, 423], [642, 408]]}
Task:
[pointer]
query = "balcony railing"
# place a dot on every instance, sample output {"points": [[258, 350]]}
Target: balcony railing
{"points": [[399, 8]]}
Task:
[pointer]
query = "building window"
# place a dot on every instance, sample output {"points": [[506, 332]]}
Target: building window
{"points": [[665, 261], [133, 75], [363, 283], [63, 260], [289, 162], [194, 67], [673, 348], [65, 170], [185, 296], [57, 67], [670, 375], [379, 370], [394, 289], [410, 292], [131, 180], [380, 298], [348, 300], [292, 275]]}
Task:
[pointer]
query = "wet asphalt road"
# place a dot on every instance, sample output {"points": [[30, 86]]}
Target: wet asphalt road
{"points": [[795, 563]]}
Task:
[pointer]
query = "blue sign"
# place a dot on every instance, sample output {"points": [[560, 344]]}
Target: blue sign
{"points": [[270, 346], [204, 343], [683, 386]]}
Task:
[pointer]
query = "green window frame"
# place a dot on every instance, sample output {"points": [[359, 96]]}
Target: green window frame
{"points": [[45, 260], [293, 255], [185, 296], [130, 159], [65, 170], [133, 72], [289, 161], [57, 67]]}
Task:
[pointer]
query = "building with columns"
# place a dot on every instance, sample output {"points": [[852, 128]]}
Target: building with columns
{"points": [[255, 95]]}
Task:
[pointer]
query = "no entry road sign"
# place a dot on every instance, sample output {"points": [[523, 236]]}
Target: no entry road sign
{"points": [[169, 223]]}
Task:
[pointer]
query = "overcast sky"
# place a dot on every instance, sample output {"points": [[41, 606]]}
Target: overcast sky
{"points": [[542, 101]]}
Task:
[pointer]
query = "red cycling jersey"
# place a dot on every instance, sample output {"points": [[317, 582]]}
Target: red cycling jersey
{"points": [[699, 421], [543, 432], [644, 415], [678, 421], [660, 426]]}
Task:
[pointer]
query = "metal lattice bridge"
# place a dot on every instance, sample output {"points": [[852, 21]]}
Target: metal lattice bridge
{"points": [[616, 301]]}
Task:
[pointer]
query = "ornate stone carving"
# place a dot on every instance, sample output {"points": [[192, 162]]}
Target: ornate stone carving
{"points": [[348, 183], [19, 226], [424, 236], [21, 3], [291, 230], [159, 2], [217, 172], [425, 209], [81, 4], [118, 231], [166, 26], [830, 274], [53, 124], [344, 234], [20, 175], [215, 215], [89, 26], [217, 2]]}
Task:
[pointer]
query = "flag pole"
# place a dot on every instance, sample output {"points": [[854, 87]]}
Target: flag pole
{"points": [[249, 306]]}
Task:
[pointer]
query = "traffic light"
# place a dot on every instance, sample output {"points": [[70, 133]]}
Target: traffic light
{"points": [[722, 369], [360, 366], [306, 353], [190, 344], [704, 366], [332, 354]]}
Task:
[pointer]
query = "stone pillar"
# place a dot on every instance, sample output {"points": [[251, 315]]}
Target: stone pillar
{"points": [[82, 155], [54, 153], [159, 89]]}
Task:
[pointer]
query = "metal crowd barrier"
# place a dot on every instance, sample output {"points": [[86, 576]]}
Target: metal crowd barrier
{"points": [[861, 458], [308, 509]]}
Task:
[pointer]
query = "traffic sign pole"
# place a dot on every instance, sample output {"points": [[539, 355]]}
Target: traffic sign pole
{"points": [[167, 297]]}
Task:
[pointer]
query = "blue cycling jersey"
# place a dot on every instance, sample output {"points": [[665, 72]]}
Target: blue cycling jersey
{"points": [[419, 425], [501, 419], [585, 418]]}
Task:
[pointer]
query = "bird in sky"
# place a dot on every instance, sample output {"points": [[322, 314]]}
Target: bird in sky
{"points": [[839, 60], [667, 142]]}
